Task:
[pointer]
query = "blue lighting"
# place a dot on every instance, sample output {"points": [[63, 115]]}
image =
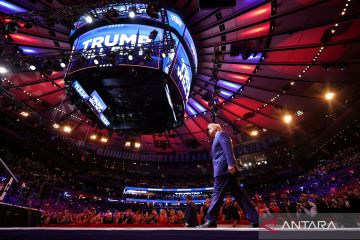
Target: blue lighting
{"points": [[7, 7], [251, 59], [169, 189], [28, 50], [80, 90], [33, 50], [229, 85], [190, 111], [197, 105], [97, 103], [104, 120], [161, 201], [225, 93]]}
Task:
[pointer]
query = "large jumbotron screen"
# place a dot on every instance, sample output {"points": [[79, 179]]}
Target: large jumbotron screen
{"points": [[180, 64], [177, 64]]}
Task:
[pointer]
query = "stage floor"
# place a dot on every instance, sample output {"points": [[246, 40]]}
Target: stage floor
{"points": [[55, 233]]}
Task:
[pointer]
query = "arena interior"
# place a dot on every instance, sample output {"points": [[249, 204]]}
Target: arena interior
{"points": [[105, 109]]}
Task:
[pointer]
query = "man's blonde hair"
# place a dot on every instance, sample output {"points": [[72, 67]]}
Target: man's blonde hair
{"points": [[215, 126]]}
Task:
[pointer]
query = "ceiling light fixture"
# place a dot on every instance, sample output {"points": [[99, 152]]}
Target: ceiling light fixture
{"points": [[287, 118], [89, 19], [254, 133], [329, 96]]}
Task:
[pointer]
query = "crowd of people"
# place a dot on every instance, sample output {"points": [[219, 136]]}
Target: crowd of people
{"points": [[331, 185], [336, 189], [81, 210]]}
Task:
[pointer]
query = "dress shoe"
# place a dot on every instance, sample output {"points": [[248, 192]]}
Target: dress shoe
{"points": [[208, 224]]}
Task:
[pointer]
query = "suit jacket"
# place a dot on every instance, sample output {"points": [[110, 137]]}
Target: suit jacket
{"points": [[222, 154], [191, 214]]}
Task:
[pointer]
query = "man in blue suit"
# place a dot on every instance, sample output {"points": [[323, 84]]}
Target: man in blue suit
{"points": [[225, 169]]}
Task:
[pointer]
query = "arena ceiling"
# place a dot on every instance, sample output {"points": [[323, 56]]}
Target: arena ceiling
{"points": [[295, 64]]}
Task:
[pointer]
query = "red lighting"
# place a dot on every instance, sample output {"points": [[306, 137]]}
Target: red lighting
{"points": [[243, 67], [23, 38], [257, 14], [254, 30], [237, 77], [260, 11]]}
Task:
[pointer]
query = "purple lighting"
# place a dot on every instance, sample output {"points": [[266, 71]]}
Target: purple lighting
{"points": [[229, 85], [239, 59], [7, 7], [191, 112], [197, 105], [225, 94], [28, 50]]}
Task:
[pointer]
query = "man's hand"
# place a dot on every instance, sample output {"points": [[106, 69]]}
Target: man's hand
{"points": [[232, 169]]}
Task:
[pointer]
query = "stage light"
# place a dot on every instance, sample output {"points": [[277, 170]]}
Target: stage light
{"points": [[132, 12], [93, 137], [67, 129], [56, 126], [164, 54], [24, 114], [32, 67], [63, 63], [3, 70], [127, 144], [97, 60], [104, 139], [88, 19], [287, 118], [329, 96], [299, 113], [254, 133], [130, 57], [137, 145]]}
